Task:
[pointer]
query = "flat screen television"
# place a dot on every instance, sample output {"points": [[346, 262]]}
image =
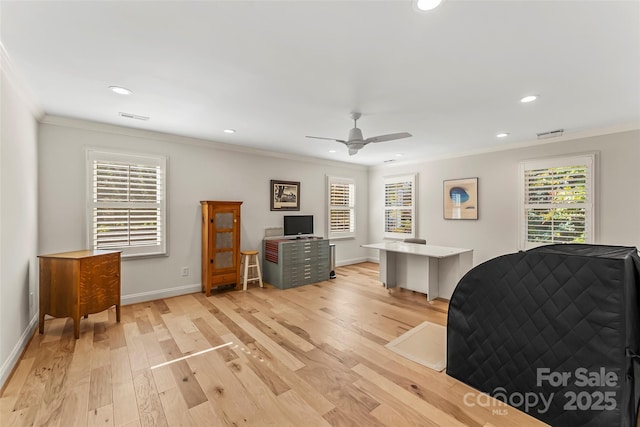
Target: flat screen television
{"points": [[298, 225]]}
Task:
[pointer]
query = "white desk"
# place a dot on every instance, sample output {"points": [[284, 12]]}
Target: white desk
{"points": [[432, 270]]}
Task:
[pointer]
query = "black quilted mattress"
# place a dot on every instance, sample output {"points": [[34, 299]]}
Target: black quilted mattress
{"points": [[554, 332]]}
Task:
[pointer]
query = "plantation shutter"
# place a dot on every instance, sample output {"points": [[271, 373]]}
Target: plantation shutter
{"points": [[341, 207], [399, 204], [127, 209], [558, 201]]}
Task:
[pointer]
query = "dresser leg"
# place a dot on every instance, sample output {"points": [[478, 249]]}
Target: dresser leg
{"points": [[118, 313], [76, 327], [41, 322]]}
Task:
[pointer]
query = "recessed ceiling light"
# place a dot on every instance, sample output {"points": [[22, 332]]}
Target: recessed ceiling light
{"points": [[502, 135], [399, 155], [229, 131], [332, 151], [428, 4], [120, 90], [529, 98]]}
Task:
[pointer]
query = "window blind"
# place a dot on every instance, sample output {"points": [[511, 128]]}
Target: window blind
{"points": [[558, 201], [399, 204], [341, 207], [127, 204]]}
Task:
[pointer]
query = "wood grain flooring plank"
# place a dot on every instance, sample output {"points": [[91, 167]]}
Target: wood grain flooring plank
{"points": [[144, 325], [204, 415], [426, 409], [149, 405], [12, 390], [100, 417], [269, 409], [135, 347], [175, 408], [100, 391], [228, 309], [125, 408], [224, 391], [213, 338], [308, 415], [392, 409], [75, 407], [185, 380]]}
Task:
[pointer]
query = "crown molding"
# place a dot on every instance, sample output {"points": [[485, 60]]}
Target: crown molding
{"points": [[178, 139], [568, 136], [15, 78]]}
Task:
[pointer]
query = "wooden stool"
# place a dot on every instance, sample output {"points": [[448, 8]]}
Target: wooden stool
{"points": [[247, 258]]}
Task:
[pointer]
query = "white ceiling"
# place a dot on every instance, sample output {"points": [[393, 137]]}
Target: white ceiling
{"points": [[279, 70]]}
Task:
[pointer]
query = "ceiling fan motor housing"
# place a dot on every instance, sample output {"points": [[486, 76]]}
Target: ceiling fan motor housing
{"points": [[355, 134]]}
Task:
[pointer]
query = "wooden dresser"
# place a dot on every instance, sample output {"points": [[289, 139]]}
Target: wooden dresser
{"points": [[79, 283], [220, 244]]}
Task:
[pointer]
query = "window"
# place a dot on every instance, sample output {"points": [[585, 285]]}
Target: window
{"points": [[342, 207], [126, 203], [400, 206], [557, 200]]}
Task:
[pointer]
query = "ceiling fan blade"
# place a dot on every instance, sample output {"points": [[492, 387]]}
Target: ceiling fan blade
{"points": [[389, 137], [330, 139]]}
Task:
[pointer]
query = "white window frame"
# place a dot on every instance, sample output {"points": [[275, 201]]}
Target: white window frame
{"points": [[413, 179], [92, 155], [351, 208], [589, 161]]}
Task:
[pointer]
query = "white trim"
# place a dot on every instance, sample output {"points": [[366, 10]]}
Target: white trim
{"points": [[15, 78], [161, 161], [351, 261], [588, 159], [14, 357], [179, 139], [413, 177], [340, 180], [568, 136], [163, 293]]}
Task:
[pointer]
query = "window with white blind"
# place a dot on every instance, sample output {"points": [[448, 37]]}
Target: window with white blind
{"points": [[400, 206], [342, 207], [557, 201], [126, 203]]}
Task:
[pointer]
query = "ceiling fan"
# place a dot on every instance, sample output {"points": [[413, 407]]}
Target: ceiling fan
{"points": [[355, 141]]}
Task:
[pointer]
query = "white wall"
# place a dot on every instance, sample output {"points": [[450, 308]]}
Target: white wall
{"points": [[18, 217], [197, 170], [496, 231]]}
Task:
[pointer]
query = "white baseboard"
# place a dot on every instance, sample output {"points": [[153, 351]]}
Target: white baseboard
{"points": [[159, 294], [13, 358], [350, 261]]}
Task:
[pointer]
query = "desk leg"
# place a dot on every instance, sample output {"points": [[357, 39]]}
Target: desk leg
{"points": [[388, 269], [433, 291]]}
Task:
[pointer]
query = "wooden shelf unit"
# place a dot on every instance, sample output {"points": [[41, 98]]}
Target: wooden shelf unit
{"points": [[220, 244]]}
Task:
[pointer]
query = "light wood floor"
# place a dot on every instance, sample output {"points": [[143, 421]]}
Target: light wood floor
{"points": [[308, 356]]}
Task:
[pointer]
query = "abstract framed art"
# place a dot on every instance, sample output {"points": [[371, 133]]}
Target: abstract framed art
{"points": [[460, 198]]}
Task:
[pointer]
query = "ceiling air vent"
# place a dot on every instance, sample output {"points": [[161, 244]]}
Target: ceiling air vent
{"points": [[552, 134], [132, 116]]}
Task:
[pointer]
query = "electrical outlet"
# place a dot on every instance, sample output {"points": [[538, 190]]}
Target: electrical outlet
{"points": [[184, 271]]}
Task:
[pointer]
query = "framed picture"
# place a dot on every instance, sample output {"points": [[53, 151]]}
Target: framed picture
{"points": [[285, 195], [460, 198]]}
